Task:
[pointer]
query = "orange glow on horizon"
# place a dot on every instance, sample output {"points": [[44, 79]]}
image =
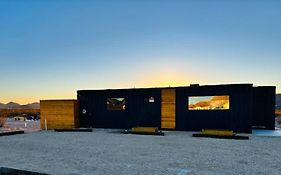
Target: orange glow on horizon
{"points": [[149, 79], [31, 98]]}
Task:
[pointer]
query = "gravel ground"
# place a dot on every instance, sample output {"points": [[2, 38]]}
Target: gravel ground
{"points": [[108, 152]]}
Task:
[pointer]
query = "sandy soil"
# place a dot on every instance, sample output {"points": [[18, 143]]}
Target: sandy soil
{"points": [[108, 152]]}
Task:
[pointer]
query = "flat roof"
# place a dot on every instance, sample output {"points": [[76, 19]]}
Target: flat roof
{"points": [[49, 100], [171, 87]]}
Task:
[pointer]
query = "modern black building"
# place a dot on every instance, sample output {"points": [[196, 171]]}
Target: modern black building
{"points": [[237, 107]]}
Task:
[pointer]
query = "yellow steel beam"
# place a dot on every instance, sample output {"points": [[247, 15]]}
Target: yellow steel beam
{"points": [[217, 132], [144, 130]]}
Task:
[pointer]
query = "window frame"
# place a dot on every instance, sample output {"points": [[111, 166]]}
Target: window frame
{"points": [[210, 99], [118, 108]]}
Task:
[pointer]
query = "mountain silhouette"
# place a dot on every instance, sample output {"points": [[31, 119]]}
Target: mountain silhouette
{"points": [[13, 105], [35, 105], [2, 106]]}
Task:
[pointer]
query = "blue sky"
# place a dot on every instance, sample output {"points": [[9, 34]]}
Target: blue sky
{"points": [[49, 49]]}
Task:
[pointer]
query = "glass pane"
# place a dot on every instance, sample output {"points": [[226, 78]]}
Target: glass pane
{"points": [[208, 103], [116, 104]]}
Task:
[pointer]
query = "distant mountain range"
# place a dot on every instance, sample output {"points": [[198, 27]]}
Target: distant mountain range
{"points": [[13, 105], [278, 101]]}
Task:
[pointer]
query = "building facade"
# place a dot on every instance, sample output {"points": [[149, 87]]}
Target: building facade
{"points": [[237, 107]]}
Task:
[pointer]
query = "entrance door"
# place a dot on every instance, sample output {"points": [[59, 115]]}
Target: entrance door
{"points": [[168, 108]]}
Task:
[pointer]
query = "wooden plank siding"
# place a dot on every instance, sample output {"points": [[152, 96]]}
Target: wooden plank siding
{"points": [[59, 114], [168, 108]]}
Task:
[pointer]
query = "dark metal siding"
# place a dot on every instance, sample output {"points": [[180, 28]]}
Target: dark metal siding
{"points": [[138, 112], [264, 107], [237, 118], [248, 106]]}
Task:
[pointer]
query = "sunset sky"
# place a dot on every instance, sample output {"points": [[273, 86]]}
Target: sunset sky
{"points": [[50, 49]]}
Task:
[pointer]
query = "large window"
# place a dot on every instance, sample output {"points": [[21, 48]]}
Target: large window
{"points": [[116, 104], [220, 102]]}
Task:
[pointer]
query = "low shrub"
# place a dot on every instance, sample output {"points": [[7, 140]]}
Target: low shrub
{"points": [[278, 119], [2, 121]]}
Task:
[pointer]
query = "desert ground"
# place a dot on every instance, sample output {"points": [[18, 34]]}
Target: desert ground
{"points": [[106, 151]]}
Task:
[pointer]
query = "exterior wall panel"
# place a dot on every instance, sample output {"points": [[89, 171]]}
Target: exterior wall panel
{"points": [[237, 118], [168, 108], [264, 107], [138, 110], [59, 114]]}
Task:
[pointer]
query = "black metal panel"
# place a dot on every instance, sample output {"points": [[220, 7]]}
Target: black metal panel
{"points": [[139, 111], [248, 106], [237, 118], [264, 107]]}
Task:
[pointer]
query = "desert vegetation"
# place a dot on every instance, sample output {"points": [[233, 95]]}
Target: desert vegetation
{"points": [[5, 113], [3, 118], [2, 121]]}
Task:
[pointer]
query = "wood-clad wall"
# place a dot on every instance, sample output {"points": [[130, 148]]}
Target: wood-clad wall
{"points": [[59, 114], [168, 108]]}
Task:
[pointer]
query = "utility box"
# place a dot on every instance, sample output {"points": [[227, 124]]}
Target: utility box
{"points": [[59, 114]]}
